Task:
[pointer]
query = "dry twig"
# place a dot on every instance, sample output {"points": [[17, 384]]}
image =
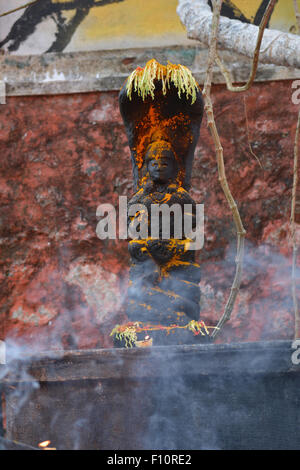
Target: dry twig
{"points": [[278, 47], [221, 170], [19, 8], [248, 137], [225, 71]]}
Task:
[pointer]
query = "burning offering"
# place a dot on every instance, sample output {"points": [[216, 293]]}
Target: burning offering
{"points": [[45, 445]]}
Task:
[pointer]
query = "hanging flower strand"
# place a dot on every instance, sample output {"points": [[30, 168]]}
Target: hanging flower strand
{"points": [[142, 80]]}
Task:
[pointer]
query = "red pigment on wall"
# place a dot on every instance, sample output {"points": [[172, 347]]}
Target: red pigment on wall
{"points": [[61, 156]]}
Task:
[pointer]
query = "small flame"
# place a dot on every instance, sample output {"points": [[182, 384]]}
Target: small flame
{"points": [[44, 444]]}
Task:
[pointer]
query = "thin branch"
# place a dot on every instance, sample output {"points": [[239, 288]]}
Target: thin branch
{"points": [[260, 12], [278, 48], [293, 231], [264, 22], [19, 8], [297, 14], [248, 137], [221, 169]]}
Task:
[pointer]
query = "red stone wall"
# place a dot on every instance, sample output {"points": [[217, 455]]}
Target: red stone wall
{"points": [[61, 156]]}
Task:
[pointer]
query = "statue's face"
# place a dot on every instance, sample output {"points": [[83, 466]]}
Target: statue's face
{"points": [[162, 164], [161, 170]]}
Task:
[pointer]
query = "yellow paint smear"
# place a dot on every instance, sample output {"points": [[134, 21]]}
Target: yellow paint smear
{"points": [[133, 17], [137, 23]]}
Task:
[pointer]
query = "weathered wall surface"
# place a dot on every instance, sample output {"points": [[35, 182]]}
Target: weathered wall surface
{"points": [[89, 25], [61, 156]]}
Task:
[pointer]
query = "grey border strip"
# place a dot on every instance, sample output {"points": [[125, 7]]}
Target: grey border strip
{"points": [[80, 72]]}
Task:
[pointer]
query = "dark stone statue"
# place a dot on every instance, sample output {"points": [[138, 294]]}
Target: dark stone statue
{"points": [[163, 128]]}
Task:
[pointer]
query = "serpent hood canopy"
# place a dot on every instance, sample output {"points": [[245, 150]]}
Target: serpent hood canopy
{"points": [[162, 103]]}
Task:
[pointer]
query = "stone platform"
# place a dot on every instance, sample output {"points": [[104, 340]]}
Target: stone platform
{"points": [[237, 396]]}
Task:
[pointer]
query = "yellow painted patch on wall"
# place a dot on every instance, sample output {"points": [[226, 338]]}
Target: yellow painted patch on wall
{"points": [[132, 23], [137, 23]]}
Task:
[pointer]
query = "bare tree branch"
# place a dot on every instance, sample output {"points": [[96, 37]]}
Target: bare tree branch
{"points": [[19, 8], [221, 170], [248, 137], [262, 27], [277, 47]]}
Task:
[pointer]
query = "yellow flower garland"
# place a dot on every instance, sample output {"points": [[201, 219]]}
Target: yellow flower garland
{"points": [[141, 80]]}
